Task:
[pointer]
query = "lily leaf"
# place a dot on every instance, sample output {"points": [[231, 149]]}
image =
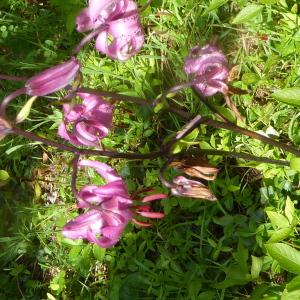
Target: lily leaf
{"points": [[247, 13], [288, 258]]}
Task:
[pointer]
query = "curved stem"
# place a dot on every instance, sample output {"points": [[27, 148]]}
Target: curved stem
{"points": [[12, 78], [162, 178], [77, 151], [231, 105], [74, 174], [173, 89], [8, 99], [144, 7], [211, 107], [188, 128], [86, 39], [241, 155], [113, 95], [252, 134]]}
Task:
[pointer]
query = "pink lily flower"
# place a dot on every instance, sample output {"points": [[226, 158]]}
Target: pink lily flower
{"points": [[109, 209], [121, 35], [208, 65], [98, 12], [52, 79], [90, 121], [109, 212]]}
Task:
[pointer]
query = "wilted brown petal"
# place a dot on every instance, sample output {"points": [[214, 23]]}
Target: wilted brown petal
{"points": [[196, 167], [190, 188], [5, 128]]}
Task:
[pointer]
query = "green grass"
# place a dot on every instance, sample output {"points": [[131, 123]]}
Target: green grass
{"points": [[201, 250]]}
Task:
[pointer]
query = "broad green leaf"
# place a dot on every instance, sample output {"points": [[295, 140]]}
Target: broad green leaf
{"points": [[4, 177], [295, 164], [208, 295], [294, 295], [234, 276], [289, 209], [50, 297], [247, 13], [70, 242], [258, 292], [25, 110], [249, 78], [288, 258], [294, 284], [280, 235], [289, 96], [98, 252], [268, 1], [241, 257], [256, 266], [225, 112], [192, 135], [278, 219], [214, 4]]}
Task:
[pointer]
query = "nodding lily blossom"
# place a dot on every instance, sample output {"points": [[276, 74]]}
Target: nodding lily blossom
{"points": [[185, 187], [53, 79], [98, 12], [208, 66], [109, 209], [89, 121], [5, 128], [121, 35]]}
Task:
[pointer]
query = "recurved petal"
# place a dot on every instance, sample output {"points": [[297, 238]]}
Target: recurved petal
{"points": [[78, 227], [107, 172], [151, 214], [154, 197]]}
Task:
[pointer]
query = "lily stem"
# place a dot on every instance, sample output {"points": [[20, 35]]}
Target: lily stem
{"points": [[74, 174], [78, 151]]}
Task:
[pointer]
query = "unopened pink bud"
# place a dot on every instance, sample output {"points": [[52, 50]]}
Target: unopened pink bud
{"points": [[53, 79]]}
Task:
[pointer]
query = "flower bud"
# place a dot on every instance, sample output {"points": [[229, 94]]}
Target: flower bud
{"points": [[190, 188], [53, 79]]}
